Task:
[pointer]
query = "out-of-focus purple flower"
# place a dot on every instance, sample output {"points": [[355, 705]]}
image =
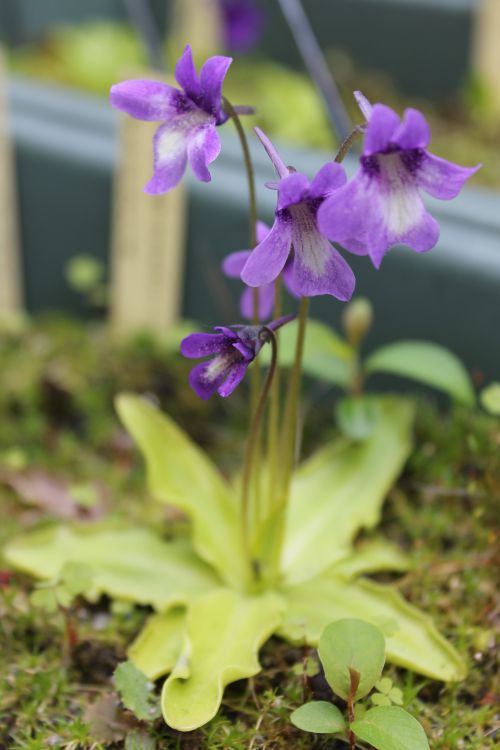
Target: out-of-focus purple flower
{"points": [[190, 117], [313, 266], [233, 265], [231, 350], [243, 24], [381, 206]]}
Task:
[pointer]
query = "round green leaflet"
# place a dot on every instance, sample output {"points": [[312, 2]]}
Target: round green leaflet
{"points": [[352, 644], [320, 717]]}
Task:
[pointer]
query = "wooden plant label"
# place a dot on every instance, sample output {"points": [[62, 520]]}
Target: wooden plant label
{"points": [[148, 234], [486, 47], [198, 22], [10, 265]]}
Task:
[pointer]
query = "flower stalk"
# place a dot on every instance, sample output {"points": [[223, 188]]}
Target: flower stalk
{"points": [[268, 335]]}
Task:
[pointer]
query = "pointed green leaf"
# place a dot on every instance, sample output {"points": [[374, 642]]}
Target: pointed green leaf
{"points": [[372, 557], [326, 356], [342, 489], [157, 647], [390, 728], [428, 363], [180, 473], [224, 633], [412, 640], [319, 717], [132, 564], [351, 644]]}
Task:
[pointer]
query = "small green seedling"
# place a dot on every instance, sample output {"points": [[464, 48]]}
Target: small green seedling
{"points": [[352, 653]]}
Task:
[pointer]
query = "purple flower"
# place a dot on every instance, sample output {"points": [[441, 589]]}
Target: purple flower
{"points": [[233, 265], [313, 266], [381, 206], [231, 350], [190, 118], [243, 24]]}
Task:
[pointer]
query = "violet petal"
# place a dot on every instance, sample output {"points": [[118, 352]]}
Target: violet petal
{"points": [[186, 75], [268, 258], [414, 132], [442, 179], [198, 345], [170, 156], [212, 77], [203, 148], [381, 127], [146, 100]]}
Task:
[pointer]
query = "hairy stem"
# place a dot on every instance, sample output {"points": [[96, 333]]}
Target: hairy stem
{"points": [[274, 413], [289, 430], [347, 143], [253, 442]]}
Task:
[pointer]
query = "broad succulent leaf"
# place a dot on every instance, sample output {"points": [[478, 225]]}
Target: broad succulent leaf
{"points": [[412, 640], [157, 647], [341, 489], [180, 473], [131, 564], [225, 630]]}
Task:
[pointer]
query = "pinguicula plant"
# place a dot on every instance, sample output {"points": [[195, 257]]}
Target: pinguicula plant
{"points": [[273, 549], [352, 653]]}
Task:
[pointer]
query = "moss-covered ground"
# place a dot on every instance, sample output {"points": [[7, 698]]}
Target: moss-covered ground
{"points": [[56, 689]]}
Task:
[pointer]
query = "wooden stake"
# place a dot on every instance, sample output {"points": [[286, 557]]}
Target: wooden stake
{"points": [[10, 265], [486, 47], [148, 237], [198, 22]]}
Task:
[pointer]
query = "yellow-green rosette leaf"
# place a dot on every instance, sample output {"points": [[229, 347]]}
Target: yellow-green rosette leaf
{"points": [[131, 564], [180, 473], [157, 647], [225, 630], [412, 640], [341, 489]]}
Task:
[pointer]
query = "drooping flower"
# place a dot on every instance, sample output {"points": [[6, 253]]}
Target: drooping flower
{"points": [[190, 117], [243, 24], [313, 266], [381, 206], [233, 265], [231, 350]]}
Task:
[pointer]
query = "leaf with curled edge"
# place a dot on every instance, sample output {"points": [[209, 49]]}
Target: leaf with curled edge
{"points": [[225, 630]]}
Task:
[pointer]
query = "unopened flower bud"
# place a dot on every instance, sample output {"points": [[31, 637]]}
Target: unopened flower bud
{"points": [[357, 320]]}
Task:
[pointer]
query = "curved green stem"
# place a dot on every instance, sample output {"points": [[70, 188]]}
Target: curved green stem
{"points": [[289, 433], [253, 441]]}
